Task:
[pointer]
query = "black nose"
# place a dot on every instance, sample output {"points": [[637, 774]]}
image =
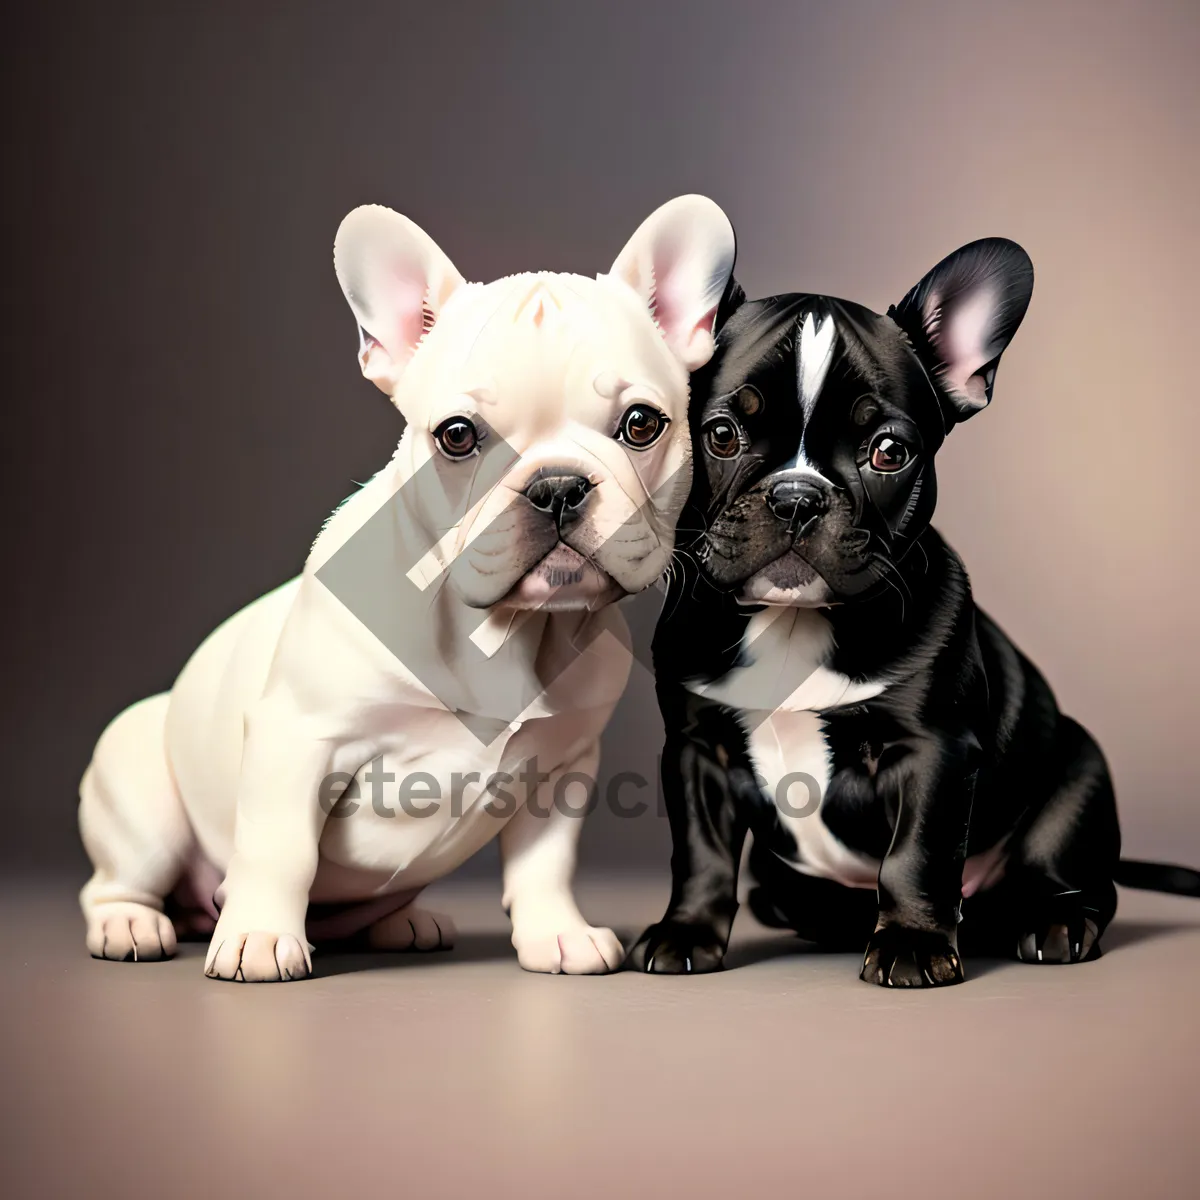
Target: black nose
{"points": [[559, 495], [795, 500]]}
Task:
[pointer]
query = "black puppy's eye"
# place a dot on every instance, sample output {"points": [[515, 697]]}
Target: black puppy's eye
{"points": [[456, 437], [721, 439], [888, 454], [641, 426]]}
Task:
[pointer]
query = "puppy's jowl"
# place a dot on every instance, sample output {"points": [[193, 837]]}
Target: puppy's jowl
{"points": [[453, 622], [823, 642]]}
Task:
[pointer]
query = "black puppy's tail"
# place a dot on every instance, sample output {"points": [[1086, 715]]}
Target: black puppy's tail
{"points": [[1158, 877]]}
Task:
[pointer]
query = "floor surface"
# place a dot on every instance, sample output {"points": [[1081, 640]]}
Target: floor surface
{"points": [[457, 1074]]}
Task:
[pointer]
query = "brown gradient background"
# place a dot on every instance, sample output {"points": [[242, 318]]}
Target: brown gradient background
{"points": [[183, 409], [183, 406]]}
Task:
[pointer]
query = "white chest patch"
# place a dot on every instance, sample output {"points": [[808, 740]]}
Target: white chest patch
{"points": [[786, 650], [792, 759], [781, 689]]}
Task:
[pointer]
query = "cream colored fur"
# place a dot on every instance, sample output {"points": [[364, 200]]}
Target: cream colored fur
{"points": [[220, 781]]}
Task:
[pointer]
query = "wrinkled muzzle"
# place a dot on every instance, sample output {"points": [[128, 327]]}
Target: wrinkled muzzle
{"points": [[791, 539], [562, 534]]}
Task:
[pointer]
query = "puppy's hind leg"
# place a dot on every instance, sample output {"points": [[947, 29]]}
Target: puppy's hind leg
{"points": [[1059, 882], [137, 835], [412, 928], [836, 917]]}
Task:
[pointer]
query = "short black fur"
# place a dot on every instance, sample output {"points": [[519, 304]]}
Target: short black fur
{"points": [[815, 427]]}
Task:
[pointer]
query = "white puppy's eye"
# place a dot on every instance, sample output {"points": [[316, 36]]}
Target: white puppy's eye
{"points": [[641, 426], [456, 437]]}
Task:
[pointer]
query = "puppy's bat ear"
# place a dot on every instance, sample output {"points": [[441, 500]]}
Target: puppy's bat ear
{"points": [[731, 301], [396, 281], [679, 262], [963, 314]]}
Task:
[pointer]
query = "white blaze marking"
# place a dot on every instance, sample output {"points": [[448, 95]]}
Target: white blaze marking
{"points": [[816, 353]]}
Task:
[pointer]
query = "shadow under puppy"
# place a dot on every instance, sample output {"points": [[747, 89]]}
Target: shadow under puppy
{"points": [[826, 679], [453, 633]]}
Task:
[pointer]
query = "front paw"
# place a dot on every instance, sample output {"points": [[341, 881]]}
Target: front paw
{"points": [[910, 958], [1072, 939], [128, 932], [256, 956], [573, 949], [678, 948]]}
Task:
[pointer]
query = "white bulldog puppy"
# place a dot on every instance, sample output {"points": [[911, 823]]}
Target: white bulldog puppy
{"points": [[442, 669]]}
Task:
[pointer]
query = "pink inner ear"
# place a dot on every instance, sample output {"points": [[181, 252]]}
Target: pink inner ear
{"points": [[970, 329], [669, 299], [965, 342], [404, 311], [664, 300]]}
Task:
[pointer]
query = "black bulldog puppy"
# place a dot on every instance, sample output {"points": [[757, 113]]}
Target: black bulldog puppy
{"points": [[826, 678]]}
